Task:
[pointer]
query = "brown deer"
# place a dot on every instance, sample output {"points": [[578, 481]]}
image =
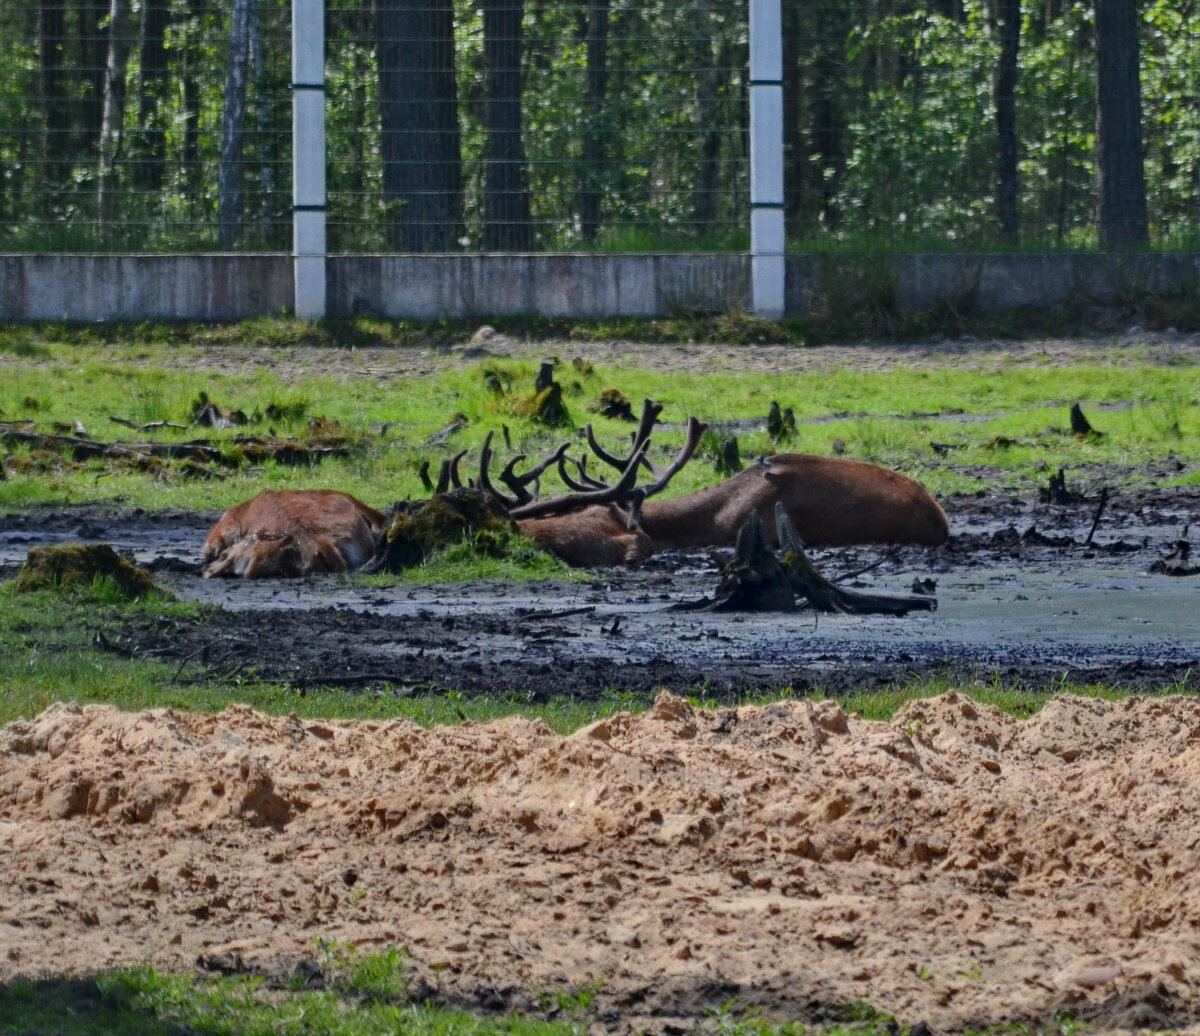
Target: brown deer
{"points": [[284, 533], [829, 501], [301, 532]]}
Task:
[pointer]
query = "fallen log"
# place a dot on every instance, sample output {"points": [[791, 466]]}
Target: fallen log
{"points": [[89, 449]]}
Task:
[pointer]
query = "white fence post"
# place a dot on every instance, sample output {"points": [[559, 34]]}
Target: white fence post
{"points": [[308, 158], [767, 263]]}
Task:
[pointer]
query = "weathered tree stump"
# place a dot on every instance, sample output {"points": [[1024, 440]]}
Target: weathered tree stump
{"points": [[1177, 562], [729, 457], [758, 580], [1081, 427]]}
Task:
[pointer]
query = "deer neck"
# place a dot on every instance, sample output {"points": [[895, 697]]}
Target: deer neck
{"points": [[696, 519]]}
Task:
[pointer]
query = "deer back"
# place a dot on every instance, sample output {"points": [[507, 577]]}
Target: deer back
{"points": [[284, 533], [830, 500]]}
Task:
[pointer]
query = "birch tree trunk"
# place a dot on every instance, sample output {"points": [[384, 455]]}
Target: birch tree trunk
{"points": [[112, 120]]}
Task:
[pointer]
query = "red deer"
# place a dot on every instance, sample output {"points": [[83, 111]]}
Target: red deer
{"points": [[829, 501], [283, 533]]}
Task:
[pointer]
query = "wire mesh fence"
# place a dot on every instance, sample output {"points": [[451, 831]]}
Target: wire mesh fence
{"points": [[573, 125]]}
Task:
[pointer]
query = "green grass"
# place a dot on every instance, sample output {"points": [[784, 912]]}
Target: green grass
{"points": [[364, 995], [139, 1000], [1148, 411]]}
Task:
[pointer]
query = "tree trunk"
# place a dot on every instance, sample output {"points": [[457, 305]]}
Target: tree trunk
{"points": [[233, 126], [1119, 164], [829, 116], [112, 122], [708, 81], [418, 99], [55, 144], [91, 56], [1007, 183], [595, 129], [189, 156], [507, 222], [152, 89], [265, 152], [795, 149]]}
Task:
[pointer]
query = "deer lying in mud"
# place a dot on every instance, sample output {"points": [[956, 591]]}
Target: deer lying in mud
{"points": [[830, 501], [293, 532]]}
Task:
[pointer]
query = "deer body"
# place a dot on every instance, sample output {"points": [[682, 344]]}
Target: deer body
{"points": [[288, 533], [594, 537], [830, 501]]}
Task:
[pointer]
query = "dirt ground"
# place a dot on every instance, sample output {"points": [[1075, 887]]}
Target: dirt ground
{"points": [[953, 866]]}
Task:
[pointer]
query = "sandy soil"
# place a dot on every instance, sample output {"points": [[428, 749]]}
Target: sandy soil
{"points": [[954, 866]]}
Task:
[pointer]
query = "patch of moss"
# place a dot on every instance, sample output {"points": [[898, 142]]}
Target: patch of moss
{"points": [[420, 528], [612, 402], [546, 407], [82, 565]]}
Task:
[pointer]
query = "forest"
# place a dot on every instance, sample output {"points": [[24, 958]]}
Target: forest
{"points": [[615, 125]]}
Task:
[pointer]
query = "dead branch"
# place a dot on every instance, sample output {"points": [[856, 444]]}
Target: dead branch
{"points": [[148, 426], [1099, 512], [757, 580], [89, 449]]}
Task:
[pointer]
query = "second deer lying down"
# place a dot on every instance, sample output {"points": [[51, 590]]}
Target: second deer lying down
{"points": [[830, 501], [285, 533]]}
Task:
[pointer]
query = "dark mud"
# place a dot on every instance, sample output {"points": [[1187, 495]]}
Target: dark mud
{"points": [[1023, 599]]}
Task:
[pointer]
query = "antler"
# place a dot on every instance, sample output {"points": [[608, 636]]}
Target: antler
{"points": [[584, 488], [624, 489], [592, 491], [448, 474], [650, 412], [516, 483]]}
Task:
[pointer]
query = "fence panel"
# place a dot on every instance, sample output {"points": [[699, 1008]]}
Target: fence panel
{"points": [[577, 125]]}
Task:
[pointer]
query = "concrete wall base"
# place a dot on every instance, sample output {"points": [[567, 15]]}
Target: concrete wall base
{"points": [[231, 287]]}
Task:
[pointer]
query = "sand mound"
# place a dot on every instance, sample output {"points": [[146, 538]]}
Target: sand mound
{"points": [[954, 866]]}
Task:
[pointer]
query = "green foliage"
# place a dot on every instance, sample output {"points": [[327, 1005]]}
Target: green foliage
{"points": [[151, 1003], [93, 570], [891, 121], [140, 1000]]}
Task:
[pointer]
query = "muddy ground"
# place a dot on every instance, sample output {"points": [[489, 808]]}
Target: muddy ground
{"points": [[1022, 597]]}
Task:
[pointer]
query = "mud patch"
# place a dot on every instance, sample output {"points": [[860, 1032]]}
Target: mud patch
{"points": [[1014, 606]]}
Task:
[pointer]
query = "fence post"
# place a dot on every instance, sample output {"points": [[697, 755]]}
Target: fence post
{"points": [[767, 264], [308, 158]]}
